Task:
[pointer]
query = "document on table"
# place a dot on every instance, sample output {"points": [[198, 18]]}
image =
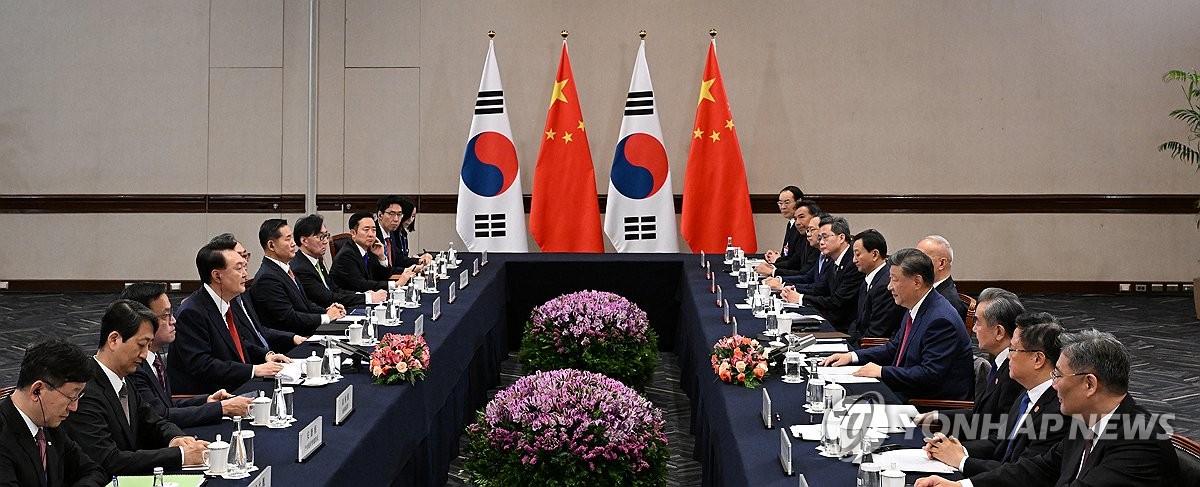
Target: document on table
{"points": [[842, 375], [912, 460], [826, 348], [741, 306], [892, 418]]}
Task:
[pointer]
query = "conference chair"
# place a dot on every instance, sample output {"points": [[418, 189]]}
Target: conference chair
{"points": [[983, 367], [1188, 452], [867, 342], [7, 391], [336, 242]]}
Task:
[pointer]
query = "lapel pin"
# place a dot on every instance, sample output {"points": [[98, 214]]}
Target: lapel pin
{"points": [[1036, 408]]}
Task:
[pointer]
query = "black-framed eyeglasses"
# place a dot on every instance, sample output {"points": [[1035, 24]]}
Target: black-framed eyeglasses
{"points": [[825, 236], [1011, 350], [1056, 376], [394, 214], [73, 399]]}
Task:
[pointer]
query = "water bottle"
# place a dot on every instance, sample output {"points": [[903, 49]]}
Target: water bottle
{"points": [[729, 250], [158, 477]]}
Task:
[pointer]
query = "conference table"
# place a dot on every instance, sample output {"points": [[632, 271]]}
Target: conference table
{"points": [[408, 434]]}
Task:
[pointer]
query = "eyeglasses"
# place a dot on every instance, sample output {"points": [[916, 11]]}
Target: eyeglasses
{"points": [[1056, 376], [394, 214], [73, 399], [165, 316], [1011, 350], [824, 236], [783, 202]]}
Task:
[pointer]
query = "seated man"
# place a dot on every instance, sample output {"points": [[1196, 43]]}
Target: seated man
{"points": [[995, 323], [930, 356], [210, 350], [243, 307], [276, 293], [817, 273], [309, 267], [938, 249], [50, 383], [1033, 424], [397, 216], [150, 378], [837, 298], [362, 264], [113, 425], [1111, 441], [797, 255], [878, 314]]}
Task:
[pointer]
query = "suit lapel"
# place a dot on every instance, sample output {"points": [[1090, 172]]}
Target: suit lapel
{"points": [[21, 436], [218, 321], [100, 379], [995, 385]]}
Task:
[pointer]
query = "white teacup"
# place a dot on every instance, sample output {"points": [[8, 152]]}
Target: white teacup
{"points": [[217, 456], [354, 333], [261, 409], [838, 395]]}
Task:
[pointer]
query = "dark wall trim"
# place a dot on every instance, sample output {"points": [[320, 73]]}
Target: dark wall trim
{"points": [[1163, 204], [967, 286]]}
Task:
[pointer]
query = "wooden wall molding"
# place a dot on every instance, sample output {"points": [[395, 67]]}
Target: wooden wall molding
{"points": [[1160, 204]]}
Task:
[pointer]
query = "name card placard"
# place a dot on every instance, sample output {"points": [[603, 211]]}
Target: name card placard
{"points": [[419, 326], [310, 439], [463, 280], [453, 290], [712, 284], [263, 479], [475, 268], [785, 455], [734, 322], [766, 410], [484, 262], [437, 309], [719, 304], [725, 316], [344, 406]]}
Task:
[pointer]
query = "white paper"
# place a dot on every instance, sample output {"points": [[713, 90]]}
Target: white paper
{"points": [[912, 460], [823, 372], [351, 319], [807, 432], [742, 306], [291, 372], [798, 316], [826, 348], [893, 418], [850, 379]]}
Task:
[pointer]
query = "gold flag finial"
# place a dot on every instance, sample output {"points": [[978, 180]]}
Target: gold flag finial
{"points": [[712, 33], [642, 34], [564, 33], [491, 34]]}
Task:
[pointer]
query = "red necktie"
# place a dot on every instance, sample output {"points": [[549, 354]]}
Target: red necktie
{"points": [[237, 341], [904, 341], [162, 372], [41, 441]]}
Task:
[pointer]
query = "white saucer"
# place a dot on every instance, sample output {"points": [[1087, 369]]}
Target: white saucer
{"points": [[315, 382]]}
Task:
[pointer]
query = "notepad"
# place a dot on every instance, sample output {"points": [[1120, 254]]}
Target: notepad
{"points": [[183, 480], [911, 460]]}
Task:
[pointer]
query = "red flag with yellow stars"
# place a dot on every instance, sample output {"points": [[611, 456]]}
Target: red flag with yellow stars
{"points": [[565, 215], [716, 198]]}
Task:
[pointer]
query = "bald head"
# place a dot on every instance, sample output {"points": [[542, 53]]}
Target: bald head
{"points": [[939, 251]]}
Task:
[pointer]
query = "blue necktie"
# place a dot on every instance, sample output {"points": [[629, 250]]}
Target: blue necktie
{"points": [[1012, 436], [367, 262], [991, 380]]}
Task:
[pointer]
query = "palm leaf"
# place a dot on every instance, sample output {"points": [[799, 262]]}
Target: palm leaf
{"points": [[1182, 152], [1188, 116], [1180, 75]]}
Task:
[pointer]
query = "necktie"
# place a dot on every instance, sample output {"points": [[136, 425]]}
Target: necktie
{"points": [[367, 263], [991, 380], [253, 327], [321, 273], [293, 276], [1087, 451], [41, 441], [123, 396], [237, 340], [161, 371], [904, 340], [387, 244], [1012, 435]]}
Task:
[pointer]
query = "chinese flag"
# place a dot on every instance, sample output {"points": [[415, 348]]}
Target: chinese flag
{"points": [[716, 198], [565, 214]]}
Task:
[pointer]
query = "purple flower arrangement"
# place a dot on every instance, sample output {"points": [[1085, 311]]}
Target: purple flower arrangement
{"points": [[567, 427], [592, 330]]}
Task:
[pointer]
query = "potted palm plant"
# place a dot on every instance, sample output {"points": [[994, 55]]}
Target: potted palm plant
{"points": [[1189, 151]]}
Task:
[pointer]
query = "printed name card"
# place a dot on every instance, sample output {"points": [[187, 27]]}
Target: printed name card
{"points": [[263, 479], [702, 261], [475, 268], [310, 440], [419, 326], [725, 316], [719, 304], [344, 406], [450, 299], [463, 280], [785, 455], [484, 258], [766, 409], [712, 284], [734, 320], [437, 309]]}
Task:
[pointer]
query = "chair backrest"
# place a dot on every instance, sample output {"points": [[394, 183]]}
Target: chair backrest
{"points": [[1188, 452], [7, 391], [336, 242], [983, 367], [970, 303], [868, 342]]}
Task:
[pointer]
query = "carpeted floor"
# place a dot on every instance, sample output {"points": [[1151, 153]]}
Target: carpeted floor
{"points": [[1156, 328]]}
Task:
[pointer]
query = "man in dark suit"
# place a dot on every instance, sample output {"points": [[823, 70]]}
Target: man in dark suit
{"points": [[797, 255], [938, 249], [309, 267], [212, 350], [362, 264], [878, 314], [396, 217], [995, 322], [113, 425], [1111, 441], [277, 294], [243, 308], [838, 298], [817, 273], [1033, 424], [33, 451], [150, 378], [930, 356]]}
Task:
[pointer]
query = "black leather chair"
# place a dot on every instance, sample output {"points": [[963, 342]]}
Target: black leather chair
{"points": [[1188, 453]]}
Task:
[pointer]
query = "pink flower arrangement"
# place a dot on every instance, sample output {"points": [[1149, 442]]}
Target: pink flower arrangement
{"points": [[399, 358], [739, 360]]}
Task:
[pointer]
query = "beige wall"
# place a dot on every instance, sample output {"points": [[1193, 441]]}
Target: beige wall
{"points": [[208, 96]]}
